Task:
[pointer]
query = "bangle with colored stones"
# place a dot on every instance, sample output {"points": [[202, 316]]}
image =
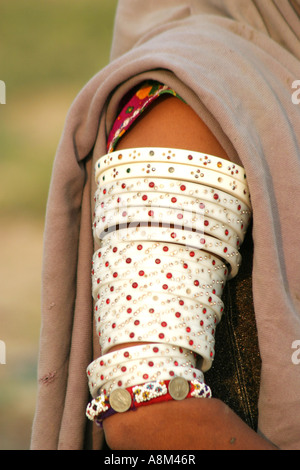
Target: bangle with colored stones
{"points": [[166, 372], [175, 282], [136, 261], [123, 309], [170, 156], [133, 216], [179, 172], [131, 398], [188, 335], [162, 295], [167, 269], [167, 359], [191, 204], [175, 188], [141, 351], [132, 251], [100, 268], [139, 371], [196, 240], [173, 299], [136, 250]]}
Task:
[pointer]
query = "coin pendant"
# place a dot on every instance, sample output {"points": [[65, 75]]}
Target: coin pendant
{"points": [[120, 400], [179, 388]]}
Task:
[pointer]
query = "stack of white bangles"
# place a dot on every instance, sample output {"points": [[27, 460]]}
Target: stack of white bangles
{"points": [[169, 224]]}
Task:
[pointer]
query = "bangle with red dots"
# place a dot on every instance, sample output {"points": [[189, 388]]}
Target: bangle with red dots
{"points": [[192, 209], [230, 255], [138, 292], [170, 156], [169, 280], [134, 260], [191, 204], [174, 188], [177, 171], [135, 216], [138, 371], [160, 359]]}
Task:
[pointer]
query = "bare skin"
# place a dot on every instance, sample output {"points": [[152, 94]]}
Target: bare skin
{"points": [[193, 424]]}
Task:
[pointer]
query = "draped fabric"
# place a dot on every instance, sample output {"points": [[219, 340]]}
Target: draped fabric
{"points": [[235, 63]]}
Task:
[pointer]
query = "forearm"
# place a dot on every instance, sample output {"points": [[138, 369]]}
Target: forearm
{"points": [[192, 424]]}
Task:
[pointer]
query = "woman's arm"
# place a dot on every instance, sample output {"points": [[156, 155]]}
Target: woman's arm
{"points": [[192, 424], [206, 424]]}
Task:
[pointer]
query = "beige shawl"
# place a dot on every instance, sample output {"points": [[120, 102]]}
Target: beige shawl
{"points": [[234, 62]]}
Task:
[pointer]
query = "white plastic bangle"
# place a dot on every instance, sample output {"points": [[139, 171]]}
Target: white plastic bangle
{"points": [[179, 202], [183, 237], [136, 262], [140, 376], [191, 273], [188, 334], [163, 279], [140, 351], [99, 371], [156, 250], [174, 187], [133, 216], [121, 304], [165, 263], [170, 156], [178, 172], [149, 367], [199, 341], [163, 297], [140, 315]]}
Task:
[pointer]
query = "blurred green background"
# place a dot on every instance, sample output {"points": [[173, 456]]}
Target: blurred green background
{"points": [[49, 49]]}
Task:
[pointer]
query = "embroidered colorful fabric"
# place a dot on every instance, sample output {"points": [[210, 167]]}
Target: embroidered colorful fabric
{"points": [[140, 100]]}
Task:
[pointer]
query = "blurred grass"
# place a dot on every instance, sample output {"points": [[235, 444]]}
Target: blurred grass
{"points": [[49, 49]]}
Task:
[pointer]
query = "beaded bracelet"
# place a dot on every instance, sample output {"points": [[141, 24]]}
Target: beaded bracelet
{"points": [[124, 399]]}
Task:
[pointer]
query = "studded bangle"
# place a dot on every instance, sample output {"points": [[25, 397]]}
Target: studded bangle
{"points": [[195, 240], [134, 216], [133, 251], [170, 156], [175, 188], [190, 204]]}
